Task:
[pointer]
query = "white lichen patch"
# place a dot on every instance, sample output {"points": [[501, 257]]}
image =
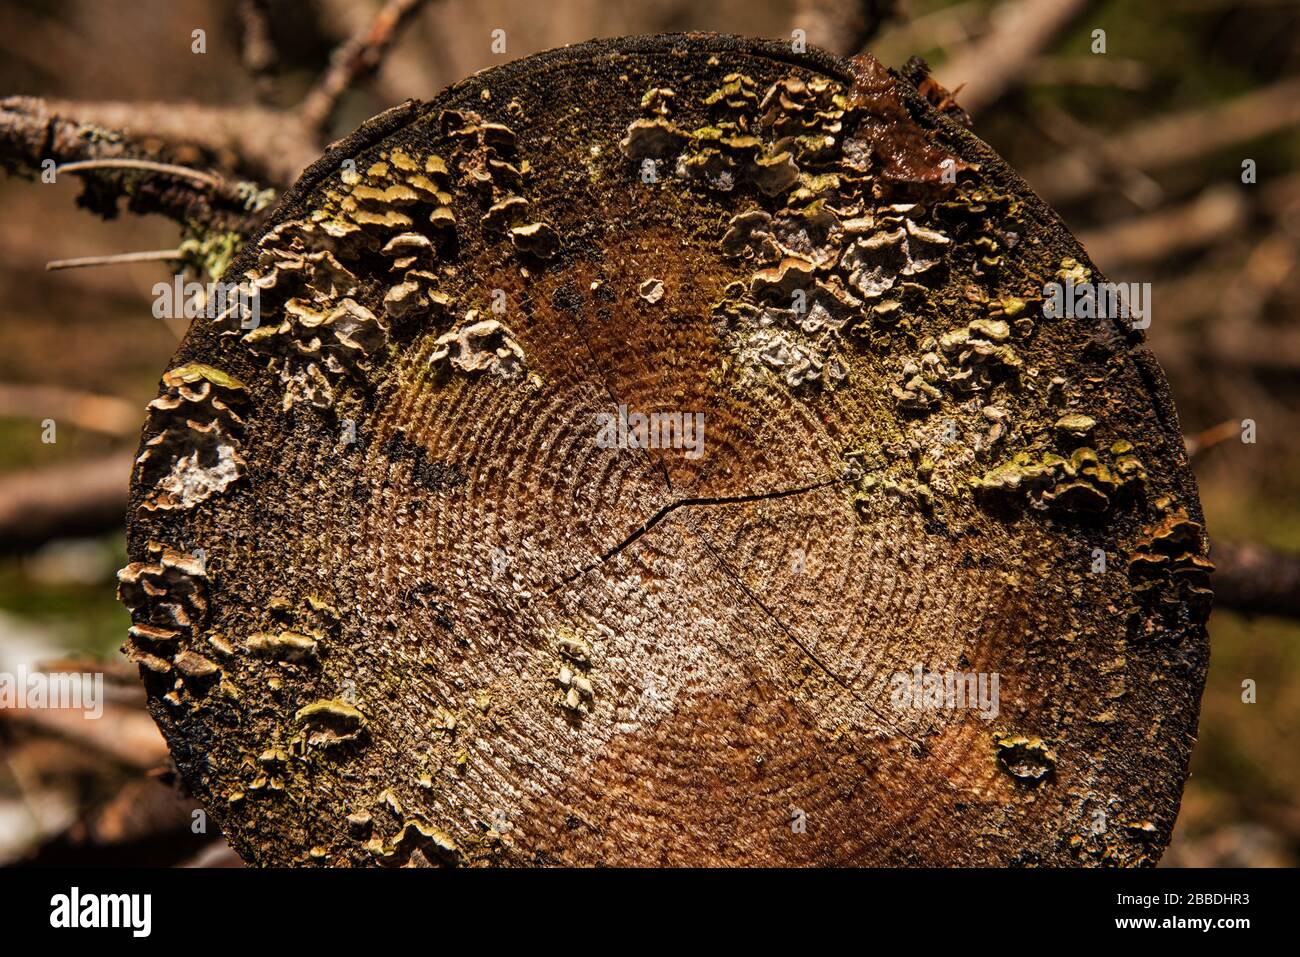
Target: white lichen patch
{"points": [[799, 345], [192, 449], [192, 481]]}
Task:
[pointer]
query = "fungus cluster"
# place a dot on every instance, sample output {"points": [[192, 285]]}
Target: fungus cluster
{"points": [[971, 359], [168, 602], [1170, 576], [1081, 484], [399, 210], [485, 154]]}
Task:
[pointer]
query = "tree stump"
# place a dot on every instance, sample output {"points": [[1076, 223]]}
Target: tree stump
{"points": [[651, 452]]}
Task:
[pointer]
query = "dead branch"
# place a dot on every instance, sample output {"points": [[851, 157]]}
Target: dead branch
{"points": [[255, 47], [184, 172], [216, 854], [124, 733], [34, 131], [842, 26], [1172, 140], [1089, 70], [85, 410], [356, 59], [410, 70], [270, 144], [1256, 580], [1256, 347], [1082, 143], [949, 27], [996, 62], [1214, 214], [76, 498]]}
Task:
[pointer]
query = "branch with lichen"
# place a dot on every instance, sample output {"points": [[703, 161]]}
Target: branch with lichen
{"points": [[114, 167], [131, 151]]}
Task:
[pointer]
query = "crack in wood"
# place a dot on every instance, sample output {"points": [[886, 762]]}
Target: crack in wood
{"points": [[671, 507]]}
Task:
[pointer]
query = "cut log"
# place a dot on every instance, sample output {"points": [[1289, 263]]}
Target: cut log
{"points": [[642, 445]]}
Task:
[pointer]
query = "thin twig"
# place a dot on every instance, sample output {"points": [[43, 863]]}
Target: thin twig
{"points": [[167, 169], [116, 259], [1090, 70], [1208, 439]]}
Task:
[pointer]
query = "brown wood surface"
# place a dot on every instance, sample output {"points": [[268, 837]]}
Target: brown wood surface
{"points": [[473, 635]]}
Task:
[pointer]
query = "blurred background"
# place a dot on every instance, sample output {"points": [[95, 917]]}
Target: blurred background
{"points": [[1138, 135]]}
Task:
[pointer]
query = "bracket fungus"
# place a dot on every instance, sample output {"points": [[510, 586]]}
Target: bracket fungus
{"points": [[394, 604], [191, 449]]}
